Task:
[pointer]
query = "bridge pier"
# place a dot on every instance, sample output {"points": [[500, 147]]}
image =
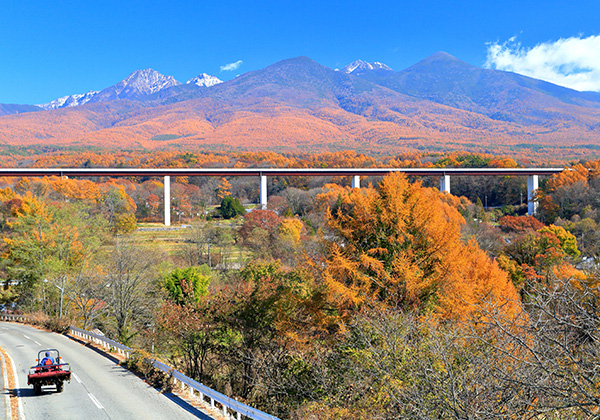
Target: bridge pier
{"points": [[355, 174], [167, 193], [445, 183], [532, 187], [263, 191]]}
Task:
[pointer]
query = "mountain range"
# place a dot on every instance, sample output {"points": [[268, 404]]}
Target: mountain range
{"points": [[137, 85], [440, 103]]}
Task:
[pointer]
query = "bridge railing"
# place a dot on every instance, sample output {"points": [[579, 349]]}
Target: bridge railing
{"points": [[193, 386], [16, 318]]}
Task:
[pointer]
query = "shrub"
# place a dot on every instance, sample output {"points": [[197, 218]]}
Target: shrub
{"points": [[231, 207]]}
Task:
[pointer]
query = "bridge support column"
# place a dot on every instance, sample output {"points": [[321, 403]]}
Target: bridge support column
{"points": [[167, 200], [445, 183], [532, 186], [263, 192], [355, 181]]}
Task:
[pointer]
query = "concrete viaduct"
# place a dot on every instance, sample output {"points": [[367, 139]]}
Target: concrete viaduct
{"points": [[355, 174]]}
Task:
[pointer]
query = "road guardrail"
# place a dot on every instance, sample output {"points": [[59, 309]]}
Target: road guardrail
{"points": [[15, 318], [227, 403], [193, 386], [107, 343]]}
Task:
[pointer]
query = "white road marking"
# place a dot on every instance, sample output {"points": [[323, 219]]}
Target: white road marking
{"points": [[21, 412], [5, 389], [30, 339], [95, 401], [92, 397]]}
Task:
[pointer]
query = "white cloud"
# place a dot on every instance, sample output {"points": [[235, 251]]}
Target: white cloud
{"points": [[231, 66], [572, 62]]}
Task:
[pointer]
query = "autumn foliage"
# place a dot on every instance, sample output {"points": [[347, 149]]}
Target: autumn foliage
{"points": [[400, 245], [519, 224], [336, 303]]}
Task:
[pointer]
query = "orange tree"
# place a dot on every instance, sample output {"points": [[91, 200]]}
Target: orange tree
{"points": [[399, 245]]}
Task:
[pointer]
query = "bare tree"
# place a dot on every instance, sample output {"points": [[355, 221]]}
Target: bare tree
{"points": [[130, 288], [86, 292], [389, 364], [554, 354], [300, 202], [194, 250]]}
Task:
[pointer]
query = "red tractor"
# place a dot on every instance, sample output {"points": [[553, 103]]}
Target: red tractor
{"points": [[50, 370]]}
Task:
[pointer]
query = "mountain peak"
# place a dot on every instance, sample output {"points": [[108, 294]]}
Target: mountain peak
{"points": [[144, 82], [439, 66], [204, 80], [442, 55], [138, 84], [441, 60], [359, 67]]}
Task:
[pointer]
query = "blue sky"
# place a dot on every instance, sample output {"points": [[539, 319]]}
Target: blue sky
{"points": [[52, 49]]}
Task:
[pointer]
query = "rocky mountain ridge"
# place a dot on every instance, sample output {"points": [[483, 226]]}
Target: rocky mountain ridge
{"points": [[137, 85], [69, 100]]}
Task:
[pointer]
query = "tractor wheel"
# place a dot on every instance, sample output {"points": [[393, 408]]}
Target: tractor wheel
{"points": [[37, 389], [59, 386]]}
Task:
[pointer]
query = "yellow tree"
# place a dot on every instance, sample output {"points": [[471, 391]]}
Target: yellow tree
{"points": [[73, 189], [6, 194], [400, 245], [49, 242], [119, 208], [40, 246], [290, 230], [224, 189]]}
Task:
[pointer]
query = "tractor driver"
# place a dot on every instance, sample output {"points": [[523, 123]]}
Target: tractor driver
{"points": [[47, 360]]}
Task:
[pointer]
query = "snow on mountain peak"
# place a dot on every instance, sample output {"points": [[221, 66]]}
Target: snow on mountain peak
{"points": [[204, 80], [137, 85], [146, 82], [360, 66], [69, 100], [378, 65]]}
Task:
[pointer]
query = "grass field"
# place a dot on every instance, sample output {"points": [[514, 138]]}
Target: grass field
{"points": [[174, 239]]}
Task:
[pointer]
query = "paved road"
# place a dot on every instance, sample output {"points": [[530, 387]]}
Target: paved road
{"points": [[99, 388]]}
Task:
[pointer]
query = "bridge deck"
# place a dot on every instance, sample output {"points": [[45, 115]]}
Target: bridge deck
{"points": [[92, 172]]}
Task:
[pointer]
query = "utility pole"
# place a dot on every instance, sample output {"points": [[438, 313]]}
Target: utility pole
{"points": [[62, 293]]}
